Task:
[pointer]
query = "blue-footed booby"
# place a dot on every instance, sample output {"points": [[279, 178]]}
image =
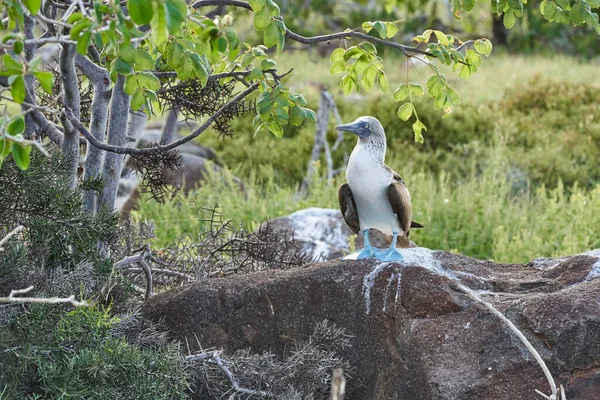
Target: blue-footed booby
{"points": [[375, 196]]}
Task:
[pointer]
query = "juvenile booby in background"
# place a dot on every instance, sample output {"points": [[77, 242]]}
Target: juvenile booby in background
{"points": [[375, 196]]}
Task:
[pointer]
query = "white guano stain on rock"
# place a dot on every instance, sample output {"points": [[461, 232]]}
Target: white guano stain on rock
{"points": [[594, 272], [321, 227], [369, 281], [417, 256]]}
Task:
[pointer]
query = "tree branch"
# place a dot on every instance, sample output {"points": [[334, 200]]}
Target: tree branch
{"points": [[9, 235], [156, 149], [50, 300], [29, 79], [406, 50]]}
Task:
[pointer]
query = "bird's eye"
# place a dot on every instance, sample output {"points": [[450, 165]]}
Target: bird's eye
{"points": [[366, 126]]}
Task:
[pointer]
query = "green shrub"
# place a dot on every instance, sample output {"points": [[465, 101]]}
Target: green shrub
{"points": [[58, 355]]}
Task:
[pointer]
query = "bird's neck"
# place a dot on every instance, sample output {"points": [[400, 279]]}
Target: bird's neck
{"points": [[375, 146]]}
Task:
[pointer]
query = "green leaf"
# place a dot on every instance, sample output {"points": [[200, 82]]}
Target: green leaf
{"points": [[45, 79], [415, 90], [564, 4], [337, 55], [337, 67], [368, 47], [297, 115], [273, 8], [262, 19], [76, 16], [405, 111], [122, 67], [310, 115], [256, 73], [267, 64], [17, 88], [11, 64], [131, 85], [83, 43], [483, 46], [159, 32], [361, 64], [32, 5], [148, 81], [143, 59], [577, 14], [20, 155], [271, 35], [391, 29], [127, 52], [79, 27], [381, 28], [138, 100], [175, 55], [367, 26], [465, 72], [474, 58], [368, 78], [275, 129], [257, 5], [5, 148], [18, 47], [424, 37], [140, 11], [298, 99], [351, 52], [16, 126], [442, 38], [418, 127], [402, 92], [509, 19], [347, 84], [382, 81], [176, 13]]}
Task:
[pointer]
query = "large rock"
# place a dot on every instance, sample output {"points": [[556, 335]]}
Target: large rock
{"points": [[414, 334], [321, 233]]}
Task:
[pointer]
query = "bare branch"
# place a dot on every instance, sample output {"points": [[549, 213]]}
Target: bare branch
{"points": [[49, 300], [216, 359], [519, 334], [134, 151], [10, 234], [406, 50]]}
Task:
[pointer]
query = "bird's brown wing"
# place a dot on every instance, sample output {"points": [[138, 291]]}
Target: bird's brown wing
{"points": [[400, 200], [348, 208]]}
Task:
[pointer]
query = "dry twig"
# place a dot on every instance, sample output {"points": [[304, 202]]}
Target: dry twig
{"points": [[49, 300]]}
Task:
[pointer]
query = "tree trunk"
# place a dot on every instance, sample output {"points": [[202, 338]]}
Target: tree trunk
{"points": [[94, 156], [70, 145], [117, 136]]}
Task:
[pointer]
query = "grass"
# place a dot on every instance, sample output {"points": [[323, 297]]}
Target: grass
{"points": [[511, 176]]}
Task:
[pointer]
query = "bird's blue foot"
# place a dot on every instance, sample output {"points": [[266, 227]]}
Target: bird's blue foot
{"points": [[365, 252], [389, 254]]}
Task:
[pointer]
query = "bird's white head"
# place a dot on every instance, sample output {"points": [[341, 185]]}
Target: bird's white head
{"points": [[365, 128]]}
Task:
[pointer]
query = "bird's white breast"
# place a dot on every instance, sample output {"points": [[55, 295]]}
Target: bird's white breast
{"points": [[369, 180]]}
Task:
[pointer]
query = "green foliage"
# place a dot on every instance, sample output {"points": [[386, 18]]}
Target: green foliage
{"points": [[59, 233], [76, 355]]}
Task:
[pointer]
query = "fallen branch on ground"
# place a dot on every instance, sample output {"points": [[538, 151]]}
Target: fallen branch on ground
{"points": [[48, 300]]}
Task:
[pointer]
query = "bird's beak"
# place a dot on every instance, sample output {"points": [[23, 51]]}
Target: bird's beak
{"points": [[355, 127]]}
